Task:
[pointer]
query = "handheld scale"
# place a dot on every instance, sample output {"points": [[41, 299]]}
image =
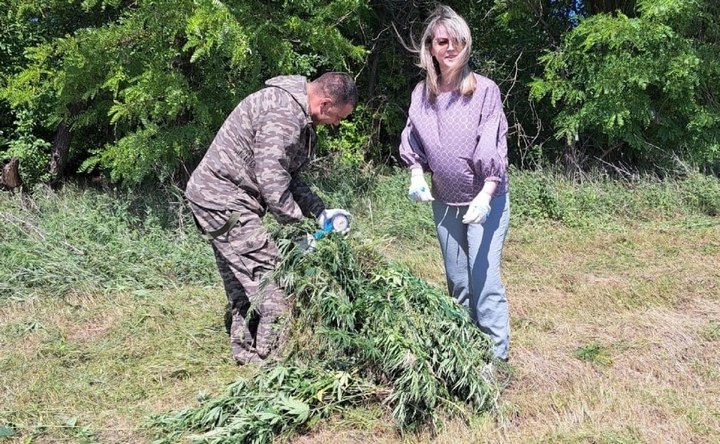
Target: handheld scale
{"points": [[339, 223]]}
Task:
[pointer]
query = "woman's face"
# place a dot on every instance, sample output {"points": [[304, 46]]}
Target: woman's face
{"points": [[445, 50]]}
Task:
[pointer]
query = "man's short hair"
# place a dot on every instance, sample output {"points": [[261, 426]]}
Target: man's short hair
{"points": [[339, 87]]}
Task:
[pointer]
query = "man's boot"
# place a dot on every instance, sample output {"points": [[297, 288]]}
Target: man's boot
{"points": [[241, 340]]}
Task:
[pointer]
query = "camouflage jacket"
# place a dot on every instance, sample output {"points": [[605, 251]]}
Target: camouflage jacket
{"points": [[255, 159]]}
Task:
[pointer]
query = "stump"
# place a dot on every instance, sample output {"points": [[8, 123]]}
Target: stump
{"points": [[10, 177]]}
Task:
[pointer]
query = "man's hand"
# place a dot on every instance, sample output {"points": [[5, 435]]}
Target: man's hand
{"points": [[419, 190], [325, 220], [478, 210]]}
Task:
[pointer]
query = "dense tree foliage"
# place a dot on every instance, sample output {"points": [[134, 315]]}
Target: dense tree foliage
{"points": [[638, 90], [144, 90], [135, 90]]}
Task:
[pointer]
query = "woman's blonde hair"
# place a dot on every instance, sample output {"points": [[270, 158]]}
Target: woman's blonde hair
{"points": [[461, 76]]}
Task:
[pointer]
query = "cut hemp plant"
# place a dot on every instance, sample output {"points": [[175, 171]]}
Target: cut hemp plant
{"points": [[362, 331]]}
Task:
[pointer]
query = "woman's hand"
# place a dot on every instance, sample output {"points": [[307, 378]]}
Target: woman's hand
{"points": [[479, 209], [419, 190]]}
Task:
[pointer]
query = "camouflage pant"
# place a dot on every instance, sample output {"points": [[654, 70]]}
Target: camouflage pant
{"points": [[245, 255]]}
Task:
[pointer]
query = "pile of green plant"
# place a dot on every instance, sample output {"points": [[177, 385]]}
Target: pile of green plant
{"points": [[362, 331]]}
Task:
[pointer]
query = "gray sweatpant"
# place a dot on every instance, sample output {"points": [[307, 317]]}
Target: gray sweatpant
{"points": [[472, 254]]}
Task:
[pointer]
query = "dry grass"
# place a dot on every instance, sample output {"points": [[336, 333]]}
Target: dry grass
{"points": [[96, 366], [93, 367]]}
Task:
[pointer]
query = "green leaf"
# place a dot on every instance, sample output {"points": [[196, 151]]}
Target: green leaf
{"points": [[296, 408]]}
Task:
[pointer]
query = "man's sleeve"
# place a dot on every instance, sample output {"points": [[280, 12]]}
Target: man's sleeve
{"points": [[277, 129], [310, 204]]}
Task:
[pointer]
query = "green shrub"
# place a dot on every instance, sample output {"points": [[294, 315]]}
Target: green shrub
{"points": [[638, 89], [32, 151], [702, 194]]}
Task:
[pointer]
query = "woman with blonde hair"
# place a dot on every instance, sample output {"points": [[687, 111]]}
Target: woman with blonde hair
{"points": [[457, 131]]}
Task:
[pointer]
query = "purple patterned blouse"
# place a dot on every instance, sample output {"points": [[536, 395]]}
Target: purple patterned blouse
{"points": [[461, 140]]}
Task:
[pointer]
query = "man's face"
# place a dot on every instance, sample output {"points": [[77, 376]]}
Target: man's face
{"points": [[330, 114]]}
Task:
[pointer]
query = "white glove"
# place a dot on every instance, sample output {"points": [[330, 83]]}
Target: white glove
{"points": [[478, 210], [419, 190], [327, 222]]}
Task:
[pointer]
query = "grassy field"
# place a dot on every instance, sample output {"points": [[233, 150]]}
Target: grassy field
{"points": [[111, 311]]}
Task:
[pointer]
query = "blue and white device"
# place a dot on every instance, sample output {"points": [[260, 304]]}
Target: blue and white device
{"points": [[338, 223]]}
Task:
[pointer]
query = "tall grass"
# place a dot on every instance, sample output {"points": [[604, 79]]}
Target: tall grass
{"points": [[599, 200], [56, 242], [379, 197]]}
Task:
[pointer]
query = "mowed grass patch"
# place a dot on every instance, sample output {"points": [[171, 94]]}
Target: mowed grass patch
{"points": [[613, 333], [660, 377], [96, 366], [590, 272], [340, 430]]}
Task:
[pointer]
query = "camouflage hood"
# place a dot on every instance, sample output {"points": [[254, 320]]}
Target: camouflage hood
{"points": [[296, 86], [254, 161]]}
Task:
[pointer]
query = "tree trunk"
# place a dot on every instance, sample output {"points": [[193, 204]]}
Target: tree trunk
{"points": [[61, 144], [60, 151], [572, 158]]}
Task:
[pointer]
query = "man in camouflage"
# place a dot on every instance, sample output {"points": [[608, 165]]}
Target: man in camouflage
{"points": [[251, 167]]}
